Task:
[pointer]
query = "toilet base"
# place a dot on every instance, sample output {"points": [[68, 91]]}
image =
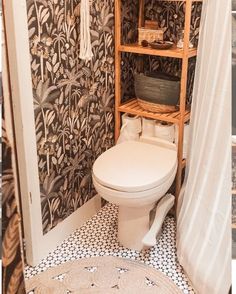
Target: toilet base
{"points": [[133, 225]]}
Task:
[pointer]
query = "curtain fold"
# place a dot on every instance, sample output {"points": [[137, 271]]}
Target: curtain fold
{"points": [[204, 209]]}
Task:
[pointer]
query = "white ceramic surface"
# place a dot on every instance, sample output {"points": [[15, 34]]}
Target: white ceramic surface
{"points": [[134, 176], [134, 166]]}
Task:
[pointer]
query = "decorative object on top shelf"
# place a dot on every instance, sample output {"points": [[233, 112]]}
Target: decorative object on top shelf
{"points": [[151, 24], [157, 92], [150, 35], [161, 45], [145, 43], [150, 32], [180, 40]]}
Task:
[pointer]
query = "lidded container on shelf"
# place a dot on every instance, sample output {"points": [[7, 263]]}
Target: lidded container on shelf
{"points": [[150, 32]]}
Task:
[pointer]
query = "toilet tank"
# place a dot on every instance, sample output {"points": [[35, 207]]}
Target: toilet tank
{"points": [[159, 142]]}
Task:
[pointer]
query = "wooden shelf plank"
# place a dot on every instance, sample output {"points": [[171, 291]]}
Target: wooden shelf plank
{"points": [[233, 192], [233, 226], [132, 107], [174, 52]]}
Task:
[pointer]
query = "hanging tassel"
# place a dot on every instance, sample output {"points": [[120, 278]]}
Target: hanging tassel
{"points": [[85, 38]]}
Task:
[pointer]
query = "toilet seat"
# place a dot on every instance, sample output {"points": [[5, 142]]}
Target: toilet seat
{"points": [[135, 167], [134, 199]]}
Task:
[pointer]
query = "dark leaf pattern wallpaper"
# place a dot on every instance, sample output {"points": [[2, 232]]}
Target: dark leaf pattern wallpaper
{"points": [[73, 101], [12, 265]]}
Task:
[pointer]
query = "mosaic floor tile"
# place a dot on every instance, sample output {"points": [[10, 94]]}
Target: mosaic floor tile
{"points": [[98, 237]]}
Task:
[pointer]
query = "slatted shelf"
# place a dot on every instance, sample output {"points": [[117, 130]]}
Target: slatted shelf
{"points": [[173, 52], [133, 107]]}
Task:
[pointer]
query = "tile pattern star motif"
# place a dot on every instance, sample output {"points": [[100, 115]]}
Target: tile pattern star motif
{"points": [[98, 237]]}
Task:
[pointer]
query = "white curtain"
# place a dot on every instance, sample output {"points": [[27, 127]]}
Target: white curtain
{"points": [[204, 210]]}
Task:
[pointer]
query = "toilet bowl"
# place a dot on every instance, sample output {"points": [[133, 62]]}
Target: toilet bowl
{"points": [[134, 175]]}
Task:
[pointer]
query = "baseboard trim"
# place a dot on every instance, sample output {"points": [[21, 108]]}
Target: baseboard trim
{"points": [[64, 229]]}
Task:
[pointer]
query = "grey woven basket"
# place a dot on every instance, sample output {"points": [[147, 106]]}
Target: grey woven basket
{"points": [[157, 92]]}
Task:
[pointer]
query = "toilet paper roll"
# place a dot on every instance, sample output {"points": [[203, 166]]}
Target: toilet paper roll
{"points": [[131, 128], [132, 123], [186, 138], [148, 127], [165, 131]]}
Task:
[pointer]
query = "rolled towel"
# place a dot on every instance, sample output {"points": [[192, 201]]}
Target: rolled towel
{"points": [[85, 38], [148, 127], [131, 128], [165, 131]]}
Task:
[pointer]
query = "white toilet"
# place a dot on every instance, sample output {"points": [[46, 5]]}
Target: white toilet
{"points": [[134, 175]]}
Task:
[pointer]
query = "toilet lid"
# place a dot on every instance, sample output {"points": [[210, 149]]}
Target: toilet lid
{"points": [[134, 166]]}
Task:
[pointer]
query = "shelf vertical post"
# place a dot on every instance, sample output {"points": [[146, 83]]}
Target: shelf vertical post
{"points": [[141, 13], [183, 94], [118, 27]]}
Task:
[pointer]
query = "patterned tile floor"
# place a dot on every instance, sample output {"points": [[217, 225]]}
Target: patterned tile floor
{"points": [[98, 237]]}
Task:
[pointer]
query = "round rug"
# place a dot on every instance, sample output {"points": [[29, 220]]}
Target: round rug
{"points": [[102, 275]]}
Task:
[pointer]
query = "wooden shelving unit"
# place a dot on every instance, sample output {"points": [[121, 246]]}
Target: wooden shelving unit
{"points": [[132, 107]]}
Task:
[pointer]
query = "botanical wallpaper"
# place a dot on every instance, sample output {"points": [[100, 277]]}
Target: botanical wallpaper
{"points": [[73, 101], [12, 266], [170, 17]]}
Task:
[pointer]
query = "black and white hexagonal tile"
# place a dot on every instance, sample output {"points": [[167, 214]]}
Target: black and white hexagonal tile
{"points": [[98, 237]]}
